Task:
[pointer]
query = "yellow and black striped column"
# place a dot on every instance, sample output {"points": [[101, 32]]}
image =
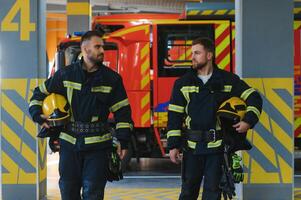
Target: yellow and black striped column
{"points": [[79, 13], [264, 59], [22, 64]]}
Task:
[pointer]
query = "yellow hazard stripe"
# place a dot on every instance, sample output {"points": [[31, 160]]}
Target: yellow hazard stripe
{"points": [[103, 89], [176, 108], [207, 12], [221, 46], [297, 10], [224, 62], [35, 103], [68, 138], [144, 51], [78, 8], [174, 133], [193, 12], [220, 29], [119, 105], [254, 110], [221, 12], [73, 85], [145, 100], [145, 117], [247, 93], [130, 30], [98, 139], [43, 88]]}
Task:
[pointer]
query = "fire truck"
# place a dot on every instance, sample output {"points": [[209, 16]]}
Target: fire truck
{"points": [[150, 51]]}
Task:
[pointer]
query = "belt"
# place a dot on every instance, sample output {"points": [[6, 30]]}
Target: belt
{"points": [[203, 136], [88, 127]]}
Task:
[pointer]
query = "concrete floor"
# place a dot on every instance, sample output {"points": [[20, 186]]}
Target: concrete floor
{"points": [[153, 179]]}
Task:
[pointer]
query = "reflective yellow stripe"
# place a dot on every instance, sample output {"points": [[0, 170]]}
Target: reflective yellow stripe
{"points": [[217, 143], [123, 125], [68, 138], [103, 89], [254, 110], [43, 88], [185, 91], [176, 108], [187, 121], [73, 85], [173, 133], [35, 103], [119, 105], [69, 97], [190, 89], [191, 144], [227, 88], [98, 139], [247, 93]]}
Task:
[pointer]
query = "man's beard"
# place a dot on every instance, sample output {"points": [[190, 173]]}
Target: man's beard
{"points": [[198, 66], [96, 60]]}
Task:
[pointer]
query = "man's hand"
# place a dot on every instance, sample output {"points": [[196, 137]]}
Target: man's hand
{"points": [[44, 125], [122, 153], [175, 156], [242, 127]]}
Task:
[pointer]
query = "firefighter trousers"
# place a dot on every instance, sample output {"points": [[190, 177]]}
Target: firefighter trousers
{"points": [[86, 170], [194, 168]]}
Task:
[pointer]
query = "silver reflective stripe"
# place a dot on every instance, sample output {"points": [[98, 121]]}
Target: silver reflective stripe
{"points": [[254, 110], [69, 97], [123, 125], [173, 133], [43, 88], [94, 119], [176, 108], [103, 89], [98, 139], [247, 93], [74, 85], [35, 103], [227, 88], [119, 105], [214, 144], [191, 144], [68, 138], [187, 121]]}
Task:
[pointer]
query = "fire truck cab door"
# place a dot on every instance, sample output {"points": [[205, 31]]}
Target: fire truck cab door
{"points": [[133, 45]]}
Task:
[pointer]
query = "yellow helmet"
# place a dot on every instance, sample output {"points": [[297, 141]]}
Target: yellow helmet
{"points": [[56, 109], [231, 112], [233, 108]]}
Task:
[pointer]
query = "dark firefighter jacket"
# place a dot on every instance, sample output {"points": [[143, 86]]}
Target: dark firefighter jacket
{"points": [[196, 104], [92, 97]]}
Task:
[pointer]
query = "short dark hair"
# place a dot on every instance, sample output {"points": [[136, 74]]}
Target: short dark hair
{"points": [[207, 43], [89, 34]]}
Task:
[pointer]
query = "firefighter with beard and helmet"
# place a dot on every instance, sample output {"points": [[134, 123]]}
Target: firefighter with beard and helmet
{"points": [[194, 102], [85, 143]]}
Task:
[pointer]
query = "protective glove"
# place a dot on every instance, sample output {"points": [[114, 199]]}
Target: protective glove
{"points": [[237, 169], [115, 171]]}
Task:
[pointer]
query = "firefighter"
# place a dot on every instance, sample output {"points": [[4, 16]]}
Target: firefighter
{"points": [[93, 91], [195, 99]]}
